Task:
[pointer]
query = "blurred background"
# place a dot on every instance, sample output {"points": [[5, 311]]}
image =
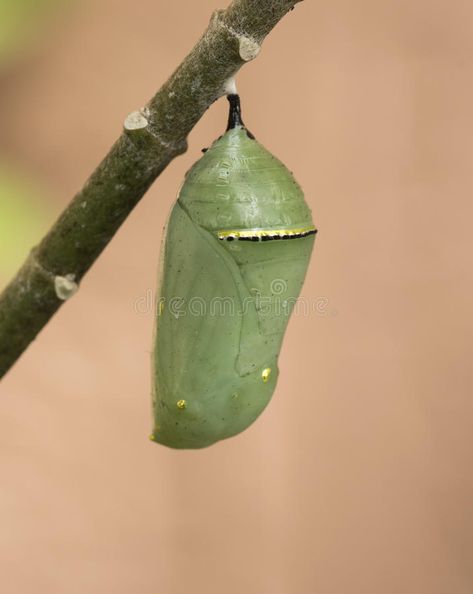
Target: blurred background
{"points": [[357, 478]]}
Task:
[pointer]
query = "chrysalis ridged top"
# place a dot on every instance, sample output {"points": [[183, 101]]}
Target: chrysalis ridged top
{"points": [[240, 186], [237, 248]]}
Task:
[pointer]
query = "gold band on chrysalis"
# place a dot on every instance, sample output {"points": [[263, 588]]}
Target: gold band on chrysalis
{"points": [[265, 234]]}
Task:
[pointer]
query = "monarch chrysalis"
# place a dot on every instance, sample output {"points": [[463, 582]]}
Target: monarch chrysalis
{"points": [[236, 252]]}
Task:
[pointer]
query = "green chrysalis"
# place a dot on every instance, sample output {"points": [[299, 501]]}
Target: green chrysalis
{"points": [[236, 252]]}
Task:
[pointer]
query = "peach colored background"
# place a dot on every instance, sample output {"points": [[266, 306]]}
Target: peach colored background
{"points": [[358, 477]]}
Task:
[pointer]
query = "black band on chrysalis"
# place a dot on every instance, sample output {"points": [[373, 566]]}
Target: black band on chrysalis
{"points": [[234, 115]]}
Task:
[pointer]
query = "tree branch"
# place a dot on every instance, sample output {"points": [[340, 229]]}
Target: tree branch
{"points": [[151, 139]]}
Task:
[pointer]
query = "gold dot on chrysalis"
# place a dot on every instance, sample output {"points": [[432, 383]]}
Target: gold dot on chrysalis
{"points": [[152, 437], [161, 307], [181, 404], [265, 374]]}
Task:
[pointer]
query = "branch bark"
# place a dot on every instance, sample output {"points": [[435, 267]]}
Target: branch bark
{"points": [[151, 139]]}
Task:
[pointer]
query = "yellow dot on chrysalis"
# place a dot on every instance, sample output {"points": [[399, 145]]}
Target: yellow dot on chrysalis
{"points": [[265, 374], [181, 404], [152, 437], [161, 307]]}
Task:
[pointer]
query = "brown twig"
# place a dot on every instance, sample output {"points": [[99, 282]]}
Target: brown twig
{"points": [[151, 139]]}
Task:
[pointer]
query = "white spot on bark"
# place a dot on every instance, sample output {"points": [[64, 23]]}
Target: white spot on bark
{"points": [[249, 48], [65, 286], [195, 85], [135, 121], [230, 87]]}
